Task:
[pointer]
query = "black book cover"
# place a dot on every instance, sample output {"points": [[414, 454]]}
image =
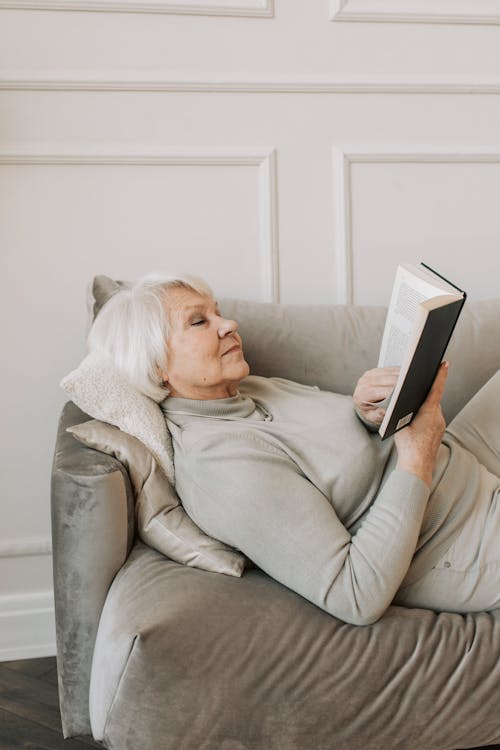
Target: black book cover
{"points": [[426, 359]]}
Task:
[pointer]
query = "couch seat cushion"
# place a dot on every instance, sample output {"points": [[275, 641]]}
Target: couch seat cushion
{"points": [[192, 660]]}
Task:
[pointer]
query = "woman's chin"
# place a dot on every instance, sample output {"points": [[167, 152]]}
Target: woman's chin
{"points": [[241, 372]]}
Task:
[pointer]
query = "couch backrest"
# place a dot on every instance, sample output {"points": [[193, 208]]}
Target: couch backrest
{"points": [[332, 345], [325, 345]]}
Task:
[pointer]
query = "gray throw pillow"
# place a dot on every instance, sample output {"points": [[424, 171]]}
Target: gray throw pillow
{"points": [[103, 288], [162, 522]]}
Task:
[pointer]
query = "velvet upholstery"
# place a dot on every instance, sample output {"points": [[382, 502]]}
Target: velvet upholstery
{"points": [[193, 660], [92, 533], [161, 521], [332, 345], [190, 660]]}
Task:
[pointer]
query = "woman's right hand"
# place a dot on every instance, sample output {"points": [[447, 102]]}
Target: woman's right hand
{"points": [[418, 443]]}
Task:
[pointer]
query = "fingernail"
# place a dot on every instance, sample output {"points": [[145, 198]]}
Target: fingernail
{"points": [[446, 364]]}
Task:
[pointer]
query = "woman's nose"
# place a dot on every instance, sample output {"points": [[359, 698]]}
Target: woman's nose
{"points": [[227, 326]]}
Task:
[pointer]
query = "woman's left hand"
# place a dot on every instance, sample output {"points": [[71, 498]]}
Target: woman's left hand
{"points": [[372, 390]]}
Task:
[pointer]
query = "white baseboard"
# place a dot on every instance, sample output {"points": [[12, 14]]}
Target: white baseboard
{"points": [[27, 626]]}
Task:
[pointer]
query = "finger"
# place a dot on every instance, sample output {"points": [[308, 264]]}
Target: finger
{"points": [[375, 395], [379, 383], [386, 385], [375, 415], [384, 375], [378, 403], [437, 389], [393, 370]]}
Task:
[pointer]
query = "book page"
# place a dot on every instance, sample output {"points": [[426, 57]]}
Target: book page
{"points": [[416, 330], [431, 283], [400, 320]]}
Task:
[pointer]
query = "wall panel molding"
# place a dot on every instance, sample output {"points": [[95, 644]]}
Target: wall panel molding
{"points": [[264, 161], [219, 84], [248, 8], [484, 12], [27, 626], [26, 547], [342, 160]]}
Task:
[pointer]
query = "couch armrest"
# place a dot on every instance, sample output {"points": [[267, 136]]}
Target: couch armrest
{"points": [[92, 533]]}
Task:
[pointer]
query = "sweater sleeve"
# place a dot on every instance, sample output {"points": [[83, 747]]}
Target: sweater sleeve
{"points": [[252, 496]]}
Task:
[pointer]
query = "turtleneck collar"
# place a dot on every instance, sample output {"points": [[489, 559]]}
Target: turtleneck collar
{"points": [[233, 407]]}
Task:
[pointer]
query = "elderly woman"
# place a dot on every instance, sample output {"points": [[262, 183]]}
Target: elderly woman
{"points": [[297, 478]]}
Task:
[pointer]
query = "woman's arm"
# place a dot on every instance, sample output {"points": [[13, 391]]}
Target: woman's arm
{"points": [[243, 491], [418, 443]]}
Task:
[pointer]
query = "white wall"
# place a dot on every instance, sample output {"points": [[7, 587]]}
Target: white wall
{"points": [[294, 150]]}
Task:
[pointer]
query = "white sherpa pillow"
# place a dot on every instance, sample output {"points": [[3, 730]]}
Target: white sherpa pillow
{"points": [[103, 393]]}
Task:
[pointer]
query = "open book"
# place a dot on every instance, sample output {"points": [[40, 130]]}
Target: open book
{"points": [[423, 311]]}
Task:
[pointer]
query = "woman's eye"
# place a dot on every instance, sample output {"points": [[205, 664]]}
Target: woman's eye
{"points": [[198, 322]]}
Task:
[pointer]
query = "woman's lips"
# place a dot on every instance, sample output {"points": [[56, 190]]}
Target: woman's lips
{"points": [[234, 348]]}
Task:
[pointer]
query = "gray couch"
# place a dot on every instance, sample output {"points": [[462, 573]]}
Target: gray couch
{"points": [[175, 658]]}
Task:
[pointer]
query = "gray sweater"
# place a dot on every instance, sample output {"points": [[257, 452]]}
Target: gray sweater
{"points": [[290, 476]]}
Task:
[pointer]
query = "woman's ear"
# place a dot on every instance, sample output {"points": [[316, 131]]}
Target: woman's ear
{"points": [[163, 375]]}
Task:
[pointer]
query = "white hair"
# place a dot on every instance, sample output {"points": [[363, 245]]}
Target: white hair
{"points": [[132, 329]]}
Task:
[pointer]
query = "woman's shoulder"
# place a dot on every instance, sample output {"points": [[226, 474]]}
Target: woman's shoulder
{"points": [[258, 384]]}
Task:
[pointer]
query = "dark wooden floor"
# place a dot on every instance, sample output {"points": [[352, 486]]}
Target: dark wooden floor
{"points": [[29, 708]]}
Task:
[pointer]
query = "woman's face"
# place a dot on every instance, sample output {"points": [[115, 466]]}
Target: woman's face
{"points": [[205, 356]]}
